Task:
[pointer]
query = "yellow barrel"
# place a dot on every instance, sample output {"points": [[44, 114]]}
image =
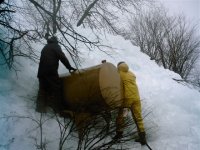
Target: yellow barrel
{"points": [[93, 89]]}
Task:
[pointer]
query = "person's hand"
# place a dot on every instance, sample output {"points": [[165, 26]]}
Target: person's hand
{"points": [[72, 70]]}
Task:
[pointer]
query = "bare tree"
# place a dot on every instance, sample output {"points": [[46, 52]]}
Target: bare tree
{"points": [[170, 41], [12, 36], [45, 18], [99, 14], [194, 77], [49, 20], [95, 135], [59, 17]]}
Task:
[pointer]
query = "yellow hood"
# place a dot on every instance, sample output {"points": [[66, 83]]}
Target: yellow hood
{"points": [[123, 67]]}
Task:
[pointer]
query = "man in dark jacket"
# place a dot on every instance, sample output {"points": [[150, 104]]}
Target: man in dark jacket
{"points": [[49, 84]]}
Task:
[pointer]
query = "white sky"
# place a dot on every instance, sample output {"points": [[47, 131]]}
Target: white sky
{"points": [[190, 8]]}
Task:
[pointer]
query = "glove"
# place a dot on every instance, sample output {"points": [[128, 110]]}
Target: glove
{"points": [[72, 69], [141, 138]]}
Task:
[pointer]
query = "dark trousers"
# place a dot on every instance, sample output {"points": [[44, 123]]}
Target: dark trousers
{"points": [[49, 94]]}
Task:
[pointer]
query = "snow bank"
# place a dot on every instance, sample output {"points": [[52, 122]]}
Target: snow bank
{"points": [[173, 123]]}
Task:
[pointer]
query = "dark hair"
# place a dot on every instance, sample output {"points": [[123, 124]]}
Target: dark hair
{"points": [[121, 62], [53, 39]]}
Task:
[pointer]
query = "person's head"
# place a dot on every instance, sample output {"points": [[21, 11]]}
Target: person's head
{"points": [[122, 66], [53, 39]]}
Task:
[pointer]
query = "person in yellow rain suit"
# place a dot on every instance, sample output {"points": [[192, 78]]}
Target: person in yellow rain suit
{"points": [[131, 101]]}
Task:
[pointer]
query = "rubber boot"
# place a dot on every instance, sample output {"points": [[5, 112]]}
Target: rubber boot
{"points": [[142, 138], [118, 135], [41, 101]]}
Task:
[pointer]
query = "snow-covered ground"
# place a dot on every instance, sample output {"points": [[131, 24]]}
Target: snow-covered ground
{"points": [[173, 123]]}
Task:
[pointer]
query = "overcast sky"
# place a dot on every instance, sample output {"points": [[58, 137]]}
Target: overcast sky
{"points": [[190, 8]]}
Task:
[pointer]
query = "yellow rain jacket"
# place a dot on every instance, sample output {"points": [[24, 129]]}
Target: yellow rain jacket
{"points": [[131, 98], [131, 93]]}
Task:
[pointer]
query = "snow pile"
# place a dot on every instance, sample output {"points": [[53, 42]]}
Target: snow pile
{"points": [[174, 119]]}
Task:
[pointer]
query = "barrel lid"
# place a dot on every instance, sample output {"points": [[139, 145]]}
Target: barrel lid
{"points": [[110, 85]]}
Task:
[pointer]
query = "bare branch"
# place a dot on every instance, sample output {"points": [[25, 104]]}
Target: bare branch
{"points": [[86, 13]]}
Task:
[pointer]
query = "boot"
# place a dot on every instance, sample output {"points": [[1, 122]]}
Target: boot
{"points": [[41, 102], [141, 138], [118, 135], [53, 103], [40, 109]]}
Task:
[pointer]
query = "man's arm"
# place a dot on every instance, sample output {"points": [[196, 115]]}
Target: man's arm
{"points": [[63, 58]]}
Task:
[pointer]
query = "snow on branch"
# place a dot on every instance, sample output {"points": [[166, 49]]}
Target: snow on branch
{"points": [[86, 13]]}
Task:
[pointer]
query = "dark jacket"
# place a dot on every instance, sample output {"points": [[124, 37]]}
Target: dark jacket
{"points": [[49, 59]]}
